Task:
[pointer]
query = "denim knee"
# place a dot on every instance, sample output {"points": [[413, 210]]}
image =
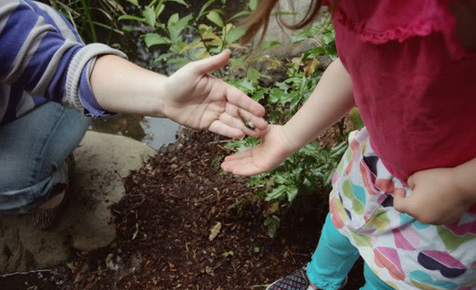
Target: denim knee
{"points": [[32, 153]]}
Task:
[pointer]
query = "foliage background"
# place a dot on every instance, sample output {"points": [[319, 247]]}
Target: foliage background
{"points": [[179, 31]]}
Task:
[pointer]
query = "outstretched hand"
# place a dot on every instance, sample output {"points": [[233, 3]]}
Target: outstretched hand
{"points": [[436, 199], [271, 152], [201, 101]]}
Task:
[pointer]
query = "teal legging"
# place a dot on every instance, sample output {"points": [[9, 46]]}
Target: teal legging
{"points": [[333, 259]]}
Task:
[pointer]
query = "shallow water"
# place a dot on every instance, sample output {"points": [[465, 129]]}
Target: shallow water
{"points": [[35, 280], [154, 132]]}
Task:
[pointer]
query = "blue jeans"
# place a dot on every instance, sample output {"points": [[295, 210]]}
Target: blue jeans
{"points": [[33, 149], [334, 258]]}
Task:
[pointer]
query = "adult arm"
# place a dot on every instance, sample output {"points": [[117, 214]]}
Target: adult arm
{"points": [[191, 96], [329, 102], [43, 59]]}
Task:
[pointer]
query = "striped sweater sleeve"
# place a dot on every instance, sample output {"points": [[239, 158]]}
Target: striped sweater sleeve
{"points": [[43, 55]]}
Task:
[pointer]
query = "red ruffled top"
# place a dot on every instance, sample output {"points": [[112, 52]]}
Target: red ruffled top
{"points": [[413, 81]]}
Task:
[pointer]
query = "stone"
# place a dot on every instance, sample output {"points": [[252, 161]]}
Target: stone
{"points": [[86, 224]]}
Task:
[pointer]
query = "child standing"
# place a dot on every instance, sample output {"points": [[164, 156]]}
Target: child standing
{"points": [[402, 193]]}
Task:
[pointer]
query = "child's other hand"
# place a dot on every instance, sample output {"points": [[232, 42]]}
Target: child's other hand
{"points": [[271, 152], [436, 199], [198, 100]]}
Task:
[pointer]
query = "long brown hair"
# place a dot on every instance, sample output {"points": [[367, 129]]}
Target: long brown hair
{"points": [[260, 18]]}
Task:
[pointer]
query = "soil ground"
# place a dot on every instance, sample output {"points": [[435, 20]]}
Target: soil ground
{"points": [[165, 221]]}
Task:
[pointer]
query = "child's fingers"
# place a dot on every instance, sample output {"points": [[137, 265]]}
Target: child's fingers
{"points": [[411, 182], [242, 167], [401, 203], [241, 155]]}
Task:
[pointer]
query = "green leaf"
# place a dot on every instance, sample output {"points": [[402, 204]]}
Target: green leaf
{"points": [[276, 95], [267, 45], [164, 56], [246, 86], [150, 16], [204, 8], [131, 17], [277, 193], [155, 39], [159, 9], [183, 22], [252, 74], [234, 34], [253, 4], [272, 223], [356, 120], [214, 17], [292, 193], [174, 18], [126, 28], [239, 14]]}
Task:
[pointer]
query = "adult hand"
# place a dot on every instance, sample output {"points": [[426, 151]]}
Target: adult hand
{"points": [[198, 100], [436, 198], [271, 152]]}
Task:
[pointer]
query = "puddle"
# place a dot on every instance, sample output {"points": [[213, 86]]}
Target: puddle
{"points": [[35, 280], [154, 132]]}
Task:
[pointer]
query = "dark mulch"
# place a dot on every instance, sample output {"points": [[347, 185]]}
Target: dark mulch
{"points": [[164, 224]]}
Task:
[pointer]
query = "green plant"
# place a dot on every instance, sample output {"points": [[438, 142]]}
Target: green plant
{"points": [[92, 17], [313, 166], [188, 37], [184, 37]]}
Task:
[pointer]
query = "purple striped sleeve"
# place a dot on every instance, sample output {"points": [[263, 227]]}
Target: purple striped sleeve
{"points": [[87, 98]]}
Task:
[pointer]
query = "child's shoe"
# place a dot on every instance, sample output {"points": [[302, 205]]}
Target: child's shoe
{"points": [[295, 281]]}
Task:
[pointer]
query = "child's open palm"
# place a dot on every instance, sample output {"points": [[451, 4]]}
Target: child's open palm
{"points": [[271, 152]]}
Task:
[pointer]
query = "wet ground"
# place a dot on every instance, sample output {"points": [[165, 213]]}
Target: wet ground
{"points": [[35, 280], [154, 132]]}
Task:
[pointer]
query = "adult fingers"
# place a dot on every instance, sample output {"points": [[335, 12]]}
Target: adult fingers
{"points": [[244, 102], [241, 124], [211, 64], [251, 120], [223, 129]]}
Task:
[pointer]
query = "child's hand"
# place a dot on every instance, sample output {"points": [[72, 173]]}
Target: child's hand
{"points": [[436, 198], [271, 152], [198, 100]]}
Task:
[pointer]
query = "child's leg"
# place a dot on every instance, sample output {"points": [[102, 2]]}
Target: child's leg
{"points": [[372, 282], [32, 153], [333, 258]]}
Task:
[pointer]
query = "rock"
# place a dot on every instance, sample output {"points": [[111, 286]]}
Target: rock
{"points": [[86, 224]]}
